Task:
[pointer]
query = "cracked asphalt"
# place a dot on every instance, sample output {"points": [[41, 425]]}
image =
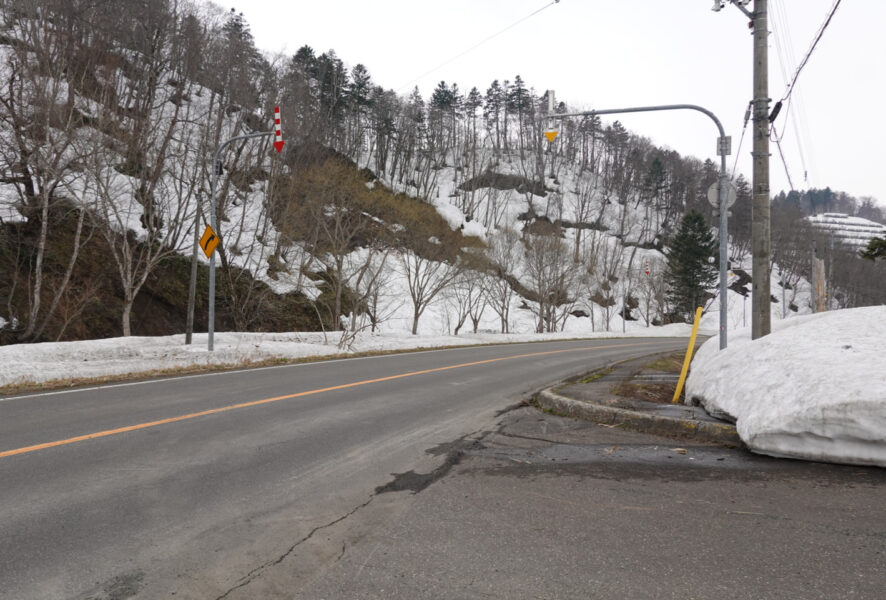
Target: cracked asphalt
{"points": [[248, 484], [547, 507]]}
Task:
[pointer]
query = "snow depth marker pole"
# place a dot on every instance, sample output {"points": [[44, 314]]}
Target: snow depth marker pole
{"points": [[688, 358], [216, 168]]}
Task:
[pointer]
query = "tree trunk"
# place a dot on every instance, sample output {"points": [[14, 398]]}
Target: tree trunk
{"points": [[38, 268], [127, 312], [415, 316]]}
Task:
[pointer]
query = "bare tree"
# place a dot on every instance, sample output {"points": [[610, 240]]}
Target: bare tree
{"points": [[651, 290], [551, 276], [367, 276], [427, 275], [504, 255], [144, 219], [602, 259], [467, 299], [335, 198], [39, 121]]}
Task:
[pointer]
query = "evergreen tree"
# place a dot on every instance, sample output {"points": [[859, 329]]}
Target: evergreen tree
{"points": [[875, 249], [690, 272]]}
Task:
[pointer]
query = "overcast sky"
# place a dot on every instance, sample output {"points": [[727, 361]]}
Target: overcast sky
{"points": [[615, 54]]}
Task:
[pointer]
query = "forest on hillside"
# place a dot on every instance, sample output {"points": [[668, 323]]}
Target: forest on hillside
{"points": [[109, 117]]}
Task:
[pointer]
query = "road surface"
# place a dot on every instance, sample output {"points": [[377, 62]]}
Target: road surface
{"points": [[198, 486]]}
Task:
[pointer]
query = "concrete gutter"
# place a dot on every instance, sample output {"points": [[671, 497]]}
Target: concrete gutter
{"points": [[645, 422], [595, 401]]}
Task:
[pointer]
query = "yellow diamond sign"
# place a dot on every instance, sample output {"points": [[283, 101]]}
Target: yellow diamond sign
{"points": [[551, 134], [209, 241]]}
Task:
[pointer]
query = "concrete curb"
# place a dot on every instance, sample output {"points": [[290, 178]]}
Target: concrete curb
{"points": [[721, 433]]}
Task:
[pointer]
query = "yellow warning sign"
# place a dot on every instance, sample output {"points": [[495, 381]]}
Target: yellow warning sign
{"points": [[551, 134], [209, 241]]}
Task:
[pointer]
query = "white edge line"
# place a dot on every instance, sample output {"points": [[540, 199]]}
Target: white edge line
{"points": [[301, 364]]}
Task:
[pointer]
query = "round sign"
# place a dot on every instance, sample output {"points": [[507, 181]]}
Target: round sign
{"points": [[713, 195]]}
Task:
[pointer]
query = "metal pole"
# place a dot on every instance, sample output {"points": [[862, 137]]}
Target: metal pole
{"points": [[722, 191], [724, 241], [216, 163], [624, 311], [760, 230], [784, 307], [812, 298], [192, 286], [214, 225], [829, 285]]}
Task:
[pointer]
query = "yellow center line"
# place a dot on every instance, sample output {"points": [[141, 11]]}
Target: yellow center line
{"points": [[221, 409]]}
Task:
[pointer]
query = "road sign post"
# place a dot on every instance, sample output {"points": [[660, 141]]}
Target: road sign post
{"points": [[213, 224]]}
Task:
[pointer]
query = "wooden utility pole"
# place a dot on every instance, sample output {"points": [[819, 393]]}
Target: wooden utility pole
{"points": [[760, 230]]}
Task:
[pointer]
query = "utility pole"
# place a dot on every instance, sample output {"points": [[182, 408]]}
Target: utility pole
{"points": [[761, 317], [760, 229]]}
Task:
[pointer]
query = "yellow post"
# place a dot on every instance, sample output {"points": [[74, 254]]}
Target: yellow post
{"points": [[688, 358]]}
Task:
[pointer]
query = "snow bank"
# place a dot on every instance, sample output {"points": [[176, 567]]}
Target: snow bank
{"points": [[813, 389], [36, 363]]}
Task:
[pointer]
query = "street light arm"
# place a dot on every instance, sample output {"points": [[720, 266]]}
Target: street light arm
{"points": [[636, 109], [213, 223], [722, 191]]}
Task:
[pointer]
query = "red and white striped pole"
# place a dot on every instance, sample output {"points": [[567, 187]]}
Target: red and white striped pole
{"points": [[278, 131], [647, 267]]}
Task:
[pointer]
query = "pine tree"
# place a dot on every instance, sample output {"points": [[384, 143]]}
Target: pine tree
{"points": [[690, 272], [875, 249]]}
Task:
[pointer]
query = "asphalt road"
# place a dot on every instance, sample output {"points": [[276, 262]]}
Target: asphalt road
{"points": [[559, 509], [205, 486]]}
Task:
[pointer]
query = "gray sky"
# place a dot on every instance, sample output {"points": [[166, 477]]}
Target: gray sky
{"points": [[621, 53]]}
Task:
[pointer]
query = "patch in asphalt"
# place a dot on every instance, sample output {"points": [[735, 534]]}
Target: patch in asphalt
{"points": [[662, 462], [120, 587], [416, 482]]}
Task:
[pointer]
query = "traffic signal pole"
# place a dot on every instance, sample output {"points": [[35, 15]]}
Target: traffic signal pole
{"points": [[723, 149]]}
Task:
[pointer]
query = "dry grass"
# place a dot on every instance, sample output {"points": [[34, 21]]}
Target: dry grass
{"points": [[651, 391]]}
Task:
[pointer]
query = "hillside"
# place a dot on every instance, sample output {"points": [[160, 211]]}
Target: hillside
{"points": [[383, 212]]}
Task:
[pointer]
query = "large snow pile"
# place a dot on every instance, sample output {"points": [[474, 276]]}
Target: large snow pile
{"points": [[813, 389], [52, 361]]}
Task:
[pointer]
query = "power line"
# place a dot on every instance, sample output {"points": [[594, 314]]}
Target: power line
{"points": [[815, 41], [478, 44], [747, 117], [777, 141]]}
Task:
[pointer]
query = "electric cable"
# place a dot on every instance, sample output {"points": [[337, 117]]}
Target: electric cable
{"points": [[815, 41], [747, 117], [478, 44], [781, 154]]}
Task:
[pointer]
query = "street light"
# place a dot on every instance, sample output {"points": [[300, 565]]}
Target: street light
{"points": [[724, 148], [216, 170]]}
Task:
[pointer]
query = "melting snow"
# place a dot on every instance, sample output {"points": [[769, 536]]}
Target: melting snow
{"points": [[813, 389]]}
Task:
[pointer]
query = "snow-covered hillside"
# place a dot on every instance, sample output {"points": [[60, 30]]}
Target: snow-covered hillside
{"points": [[582, 221], [845, 229]]}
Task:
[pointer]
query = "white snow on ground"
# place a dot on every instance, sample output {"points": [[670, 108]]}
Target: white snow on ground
{"points": [[814, 389], [35, 363]]}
